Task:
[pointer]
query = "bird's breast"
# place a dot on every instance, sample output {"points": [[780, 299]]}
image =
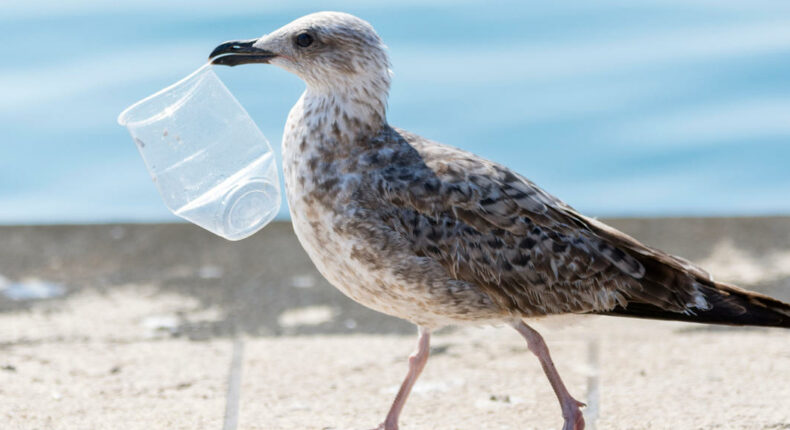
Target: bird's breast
{"points": [[319, 189], [345, 228]]}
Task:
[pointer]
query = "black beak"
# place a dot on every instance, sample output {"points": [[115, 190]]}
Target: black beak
{"points": [[238, 52]]}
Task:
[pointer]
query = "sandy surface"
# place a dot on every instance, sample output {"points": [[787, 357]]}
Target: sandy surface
{"points": [[166, 326]]}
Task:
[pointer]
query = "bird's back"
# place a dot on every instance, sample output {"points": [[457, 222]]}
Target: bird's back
{"points": [[528, 251]]}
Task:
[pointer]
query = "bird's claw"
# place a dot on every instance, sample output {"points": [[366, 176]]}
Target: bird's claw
{"points": [[575, 419]]}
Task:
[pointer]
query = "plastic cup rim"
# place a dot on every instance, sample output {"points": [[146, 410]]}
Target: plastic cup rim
{"points": [[123, 116]]}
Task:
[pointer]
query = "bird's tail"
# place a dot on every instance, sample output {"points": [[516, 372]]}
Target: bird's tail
{"points": [[728, 305]]}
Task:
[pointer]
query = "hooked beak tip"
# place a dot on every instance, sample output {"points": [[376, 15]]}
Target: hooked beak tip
{"points": [[237, 52]]}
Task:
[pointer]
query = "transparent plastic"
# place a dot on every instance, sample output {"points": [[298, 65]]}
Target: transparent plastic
{"points": [[210, 162]]}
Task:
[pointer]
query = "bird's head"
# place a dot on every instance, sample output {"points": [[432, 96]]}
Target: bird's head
{"points": [[328, 50]]}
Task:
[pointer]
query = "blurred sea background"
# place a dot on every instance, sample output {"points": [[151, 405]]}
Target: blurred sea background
{"points": [[620, 108]]}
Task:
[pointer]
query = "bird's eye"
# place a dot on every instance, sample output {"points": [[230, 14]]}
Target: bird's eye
{"points": [[304, 40]]}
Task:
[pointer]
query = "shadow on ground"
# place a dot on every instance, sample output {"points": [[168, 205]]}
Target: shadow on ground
{"points": [[253, 282], [266, 286]]}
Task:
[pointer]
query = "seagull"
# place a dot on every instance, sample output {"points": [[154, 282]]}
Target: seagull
{"points": [[440, 236]]}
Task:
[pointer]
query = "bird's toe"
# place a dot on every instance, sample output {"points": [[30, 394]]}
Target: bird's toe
{"points": [[574, 421]]}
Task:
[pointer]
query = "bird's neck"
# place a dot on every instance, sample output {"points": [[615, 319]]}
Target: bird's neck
{"points": [[327, 127], [343, 116]]}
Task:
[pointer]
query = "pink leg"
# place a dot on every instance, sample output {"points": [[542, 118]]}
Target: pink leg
{"points": [[574, 420], [416, 364]]}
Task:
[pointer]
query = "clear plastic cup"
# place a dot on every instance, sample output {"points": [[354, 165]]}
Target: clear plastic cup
{"points": [[210, 162]]}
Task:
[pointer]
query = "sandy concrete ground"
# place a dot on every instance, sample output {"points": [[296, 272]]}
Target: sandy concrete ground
{"points": [[166, 326]]}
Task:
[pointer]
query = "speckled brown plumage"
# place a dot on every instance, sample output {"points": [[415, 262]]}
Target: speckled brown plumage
{"points": [[530, 253]]}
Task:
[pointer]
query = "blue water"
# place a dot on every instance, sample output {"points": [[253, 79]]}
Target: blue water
{"points": [[619, 107]]}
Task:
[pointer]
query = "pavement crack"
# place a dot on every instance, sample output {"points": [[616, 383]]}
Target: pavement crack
{"points": [[593, 383], [231, 421]]}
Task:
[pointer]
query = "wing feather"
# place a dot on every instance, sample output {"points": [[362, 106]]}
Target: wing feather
{"points": [[527, 249]]}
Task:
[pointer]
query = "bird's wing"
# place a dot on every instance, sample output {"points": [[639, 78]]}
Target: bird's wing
{"points": [[528, 250]]}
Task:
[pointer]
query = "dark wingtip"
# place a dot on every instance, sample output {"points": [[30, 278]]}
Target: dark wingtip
{"points": [[728, 306]]}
